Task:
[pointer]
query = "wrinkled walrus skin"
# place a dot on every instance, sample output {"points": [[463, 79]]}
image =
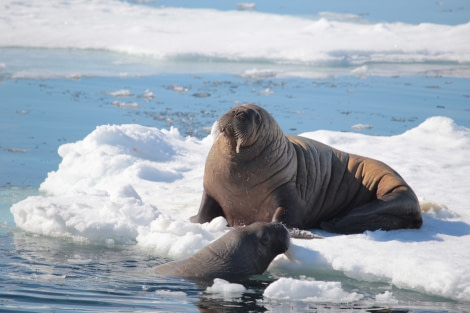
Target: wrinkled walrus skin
{"points": [[254, 170], [241, 252]]}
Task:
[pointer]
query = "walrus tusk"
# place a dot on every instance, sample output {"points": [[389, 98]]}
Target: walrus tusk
{"points": [[239, 143], [290, 255]]}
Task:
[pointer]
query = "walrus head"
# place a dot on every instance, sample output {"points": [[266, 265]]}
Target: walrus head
{"points": [[240, 125], [256, 246]]}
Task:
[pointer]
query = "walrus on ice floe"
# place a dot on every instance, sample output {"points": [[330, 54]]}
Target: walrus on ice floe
{"points": [[254, 170], [241, 252]]}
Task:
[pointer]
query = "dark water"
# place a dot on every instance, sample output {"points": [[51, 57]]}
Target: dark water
{"points": [[55, 275], [44, 274]]}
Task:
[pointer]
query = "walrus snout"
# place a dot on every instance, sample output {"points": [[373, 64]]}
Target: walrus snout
{"points": [[231, 120], [284, 236], [238, 125], [272, 239], [239, 117], [277, 235]]}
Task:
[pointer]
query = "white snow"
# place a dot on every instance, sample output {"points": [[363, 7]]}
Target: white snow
{"points": [[386, 298]]}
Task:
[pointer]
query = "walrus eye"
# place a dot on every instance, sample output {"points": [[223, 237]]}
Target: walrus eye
{"points": [[264, 240], [258, 118], [241, 114]]}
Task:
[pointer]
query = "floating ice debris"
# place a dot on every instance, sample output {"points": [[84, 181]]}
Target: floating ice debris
{"points": [[266, 92], [147, 95], [361, 126], [246, 6], [226, 290], [341, 17], [126, 105], [255, 73], [120, 93], [309, 290], [177, 88], [360, 71], [169, 293], [17, 150]]}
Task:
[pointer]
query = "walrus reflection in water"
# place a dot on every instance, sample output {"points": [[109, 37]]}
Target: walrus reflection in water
{"points": [[253, 170], [241, 252]]}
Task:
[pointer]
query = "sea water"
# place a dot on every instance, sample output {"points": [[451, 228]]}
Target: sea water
{"points": [[106, 116]]}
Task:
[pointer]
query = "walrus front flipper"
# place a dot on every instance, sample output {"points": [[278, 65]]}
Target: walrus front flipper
{"points": [[208, 210], [397, 210]]}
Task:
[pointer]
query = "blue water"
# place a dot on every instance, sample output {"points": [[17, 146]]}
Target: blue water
{"points": [[44, 275], [38, 116]]}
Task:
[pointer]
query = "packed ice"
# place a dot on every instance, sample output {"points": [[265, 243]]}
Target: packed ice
{"points": [[136, 184]]}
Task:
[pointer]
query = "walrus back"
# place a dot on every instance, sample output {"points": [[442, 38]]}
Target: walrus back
{"points": [[326, 181]]}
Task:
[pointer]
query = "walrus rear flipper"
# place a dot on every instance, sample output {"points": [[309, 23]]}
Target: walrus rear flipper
{"points": [[396, 210]]}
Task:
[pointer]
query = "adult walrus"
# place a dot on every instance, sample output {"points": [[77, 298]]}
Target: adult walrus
{"points": [[241, 252], [254, 170]]}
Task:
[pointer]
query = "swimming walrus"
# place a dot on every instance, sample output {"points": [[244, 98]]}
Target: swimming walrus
{"points": [[241, 252], [253, 170]]}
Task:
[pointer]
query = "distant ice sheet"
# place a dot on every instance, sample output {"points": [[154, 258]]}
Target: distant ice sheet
{"points": [[135, 184], [150, 36]]}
